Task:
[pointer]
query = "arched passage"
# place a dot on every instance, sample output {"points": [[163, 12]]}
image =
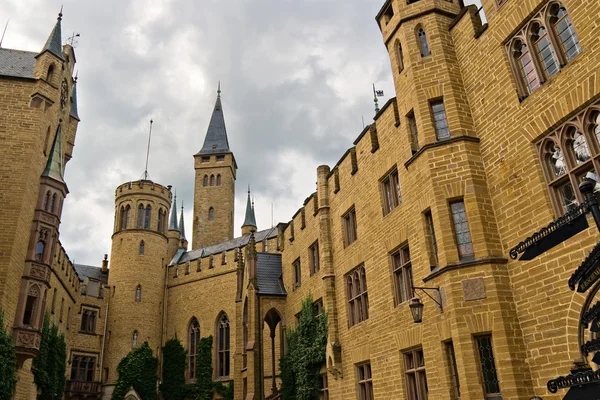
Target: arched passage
{"points": [[272, 349]]}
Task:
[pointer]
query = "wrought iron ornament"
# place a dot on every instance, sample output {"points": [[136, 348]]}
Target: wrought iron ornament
{"points": [[571, 380], [591, 314], [588, 265]]}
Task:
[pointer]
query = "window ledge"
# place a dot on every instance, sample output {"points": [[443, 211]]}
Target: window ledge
{"points": [[88, 333], [465, 264], [223, 379], [439, 144]]}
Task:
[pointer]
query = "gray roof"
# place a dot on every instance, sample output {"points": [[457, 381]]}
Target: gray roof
{"points": [[17, 63], [54, 166], [89, 271], [250, 219], [73, 113], [173, 219], [224, 246], [268, 274], [216, 141], [54, 42], [181, 227]]}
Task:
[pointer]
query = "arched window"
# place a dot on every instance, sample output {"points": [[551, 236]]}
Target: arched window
{"points": [[211, 214], [160, 220], [205, 181], [39, 250], [399, 56], [50, 74], [218, 179], [223, 346], [564, 31], [46, 202], [53, 203], [524, 64], [142, 247], [30, 305], [147, 217], [122, 218], [423, 44], [140, 216], [212, 180], [193, 340], [134, 339], [138, 293], [125, 211], [545, 50], [579, 146], [555, 160]]}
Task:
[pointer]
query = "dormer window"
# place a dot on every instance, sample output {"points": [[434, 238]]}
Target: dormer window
{"points": [[205, 159], [220, 158]]}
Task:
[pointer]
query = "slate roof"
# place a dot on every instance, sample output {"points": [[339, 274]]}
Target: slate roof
{"points": [[89, 271], [216, 141], [54, 42], [54, 166], [173, 219], [250, 219], [17, 63], [268, 274], [223, 246], [73, 113]]}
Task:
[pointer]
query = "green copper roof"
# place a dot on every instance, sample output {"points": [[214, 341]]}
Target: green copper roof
{"points": [[54, 165], [54, 42], [250, 219]]}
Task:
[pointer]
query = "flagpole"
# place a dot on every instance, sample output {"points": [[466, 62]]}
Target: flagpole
{"points": [[375, 100]]}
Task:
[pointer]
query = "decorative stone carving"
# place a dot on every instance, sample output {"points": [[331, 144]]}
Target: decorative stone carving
{"points": [[474, 289], [34, 290], [29, 340], [39, 271]]}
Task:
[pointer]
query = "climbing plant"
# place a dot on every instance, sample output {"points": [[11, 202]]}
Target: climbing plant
{"points": [[8, 363], [50, 365], [173, 376], [137, 369], [300, 367], [204, 370]]}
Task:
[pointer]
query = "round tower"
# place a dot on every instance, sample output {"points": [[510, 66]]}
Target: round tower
{"points": [[139, 257]]}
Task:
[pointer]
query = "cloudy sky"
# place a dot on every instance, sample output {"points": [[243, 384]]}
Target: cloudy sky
{"points": [[296, 80]]}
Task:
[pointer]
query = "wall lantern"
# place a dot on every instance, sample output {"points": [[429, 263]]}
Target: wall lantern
{"points": [[416, 306]]}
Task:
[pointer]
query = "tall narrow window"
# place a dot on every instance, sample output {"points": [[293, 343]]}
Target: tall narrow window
{"points": [[46, 201], [88, 321], [212, 180], [525, 66], [403, 278], [126, 218], [423, 44], [297, 273], [218, 179], [83, 368], [223, 346], [148, 215], [53, 203], [487, 365], [50, 74], [399, 56], [390, 187], [349, 226], [454, 382], [193, 340], [414, 372], [134, 339], [138, 293], [142, 247], [31, 305], [358, 298], [140, 216], [439, 118], [211, 214], [324, 387], [205, 181], [545, 50], [365, 381], [563, 28], [431, 241], [39, 250], [461, 231], [313, 258], [159, 227], [414, 133]]}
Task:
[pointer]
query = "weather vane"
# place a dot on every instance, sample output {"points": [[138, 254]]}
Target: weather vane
{"points": [[72, 40]]}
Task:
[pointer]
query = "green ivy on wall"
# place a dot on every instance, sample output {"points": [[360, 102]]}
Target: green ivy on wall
{"points": [[137, 370], [8, 363], [50, 365], [300, 367], [173, 377]]}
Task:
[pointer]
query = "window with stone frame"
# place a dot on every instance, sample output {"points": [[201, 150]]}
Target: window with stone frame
{"points": [[542, 47], [569, 155], [390, 190], [349, 227], [357, 296], [193, 340], [431, 241], [223, 358], [399, 55], [318, 305], [140, 216], [423, 43], [83, 368], [364, 378], [453, 371], [462, 234], [324, 388], [414, 374], [414, 132], [438, 112], [88, 320], [297, 273], [402, 275], [313, 258], [487, 367]]}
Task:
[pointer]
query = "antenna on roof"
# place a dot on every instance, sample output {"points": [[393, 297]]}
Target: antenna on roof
{"points": [[72, 40], [363, 119], [5, 26], [271, 214], [148, 152]]}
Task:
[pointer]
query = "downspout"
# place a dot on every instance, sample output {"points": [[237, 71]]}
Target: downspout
{"points": [[103, 341]]}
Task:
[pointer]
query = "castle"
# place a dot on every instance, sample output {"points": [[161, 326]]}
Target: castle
{"points": [[404, 242]]}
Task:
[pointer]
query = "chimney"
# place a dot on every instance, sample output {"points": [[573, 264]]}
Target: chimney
{"points": [[105, 264]]}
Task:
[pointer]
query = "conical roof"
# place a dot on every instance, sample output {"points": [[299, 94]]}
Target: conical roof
{"points": [[216, 141], [173, 219], [250, 219], [73, 113], [181, 227], [54, 42], [54, 165]]}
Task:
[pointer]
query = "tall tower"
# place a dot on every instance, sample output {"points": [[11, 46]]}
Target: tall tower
{"points": [[214, 189], [137, 276]]}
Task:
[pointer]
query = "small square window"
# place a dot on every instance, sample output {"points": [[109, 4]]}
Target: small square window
{"points": [[220, 158], [205, 159]]}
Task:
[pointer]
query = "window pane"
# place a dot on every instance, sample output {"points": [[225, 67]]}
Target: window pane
{"points": [[546, 52], [580, 148], [527, 69], [441, 124], [487, 364], [557, 161], [461, 229], [567, 196], [567, 35]]}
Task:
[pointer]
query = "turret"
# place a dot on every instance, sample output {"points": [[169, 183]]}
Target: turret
{"points": [[249, 224], [173, 235], [183, 243]]}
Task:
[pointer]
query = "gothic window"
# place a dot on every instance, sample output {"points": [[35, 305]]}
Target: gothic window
{"points": [[545, 51], [211, 214], [53, 203], [356, 292], [140, 216], [193, 340], [125, 219], [399, 56], [83, 368], [39, 250], [54, 300], [46, 203], [134, 339], [31, 305], [88, 321], [205, 180], [212, 180], [439, 118], [50, 74], [223, 346], [297, 273], [138, 293], [142, 247], [423, 44], [219, 180], [121, 218], [563, 29], [159, 228], [525, 66], [148, 214]]}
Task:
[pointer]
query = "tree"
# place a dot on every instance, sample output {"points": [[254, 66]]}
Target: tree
{"points": [[173, 384], [300, 367], [49, 366], [8, 363], [137, 369]]}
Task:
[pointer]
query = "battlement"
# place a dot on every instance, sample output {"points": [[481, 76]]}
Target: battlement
{"points": [[144, 186]]}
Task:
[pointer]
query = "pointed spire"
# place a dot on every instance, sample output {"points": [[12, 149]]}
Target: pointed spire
{"points": [[54, 42], [250, 219], [215, 141], [173, 219], [73, 112], [54, 165], [181, 227]]}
